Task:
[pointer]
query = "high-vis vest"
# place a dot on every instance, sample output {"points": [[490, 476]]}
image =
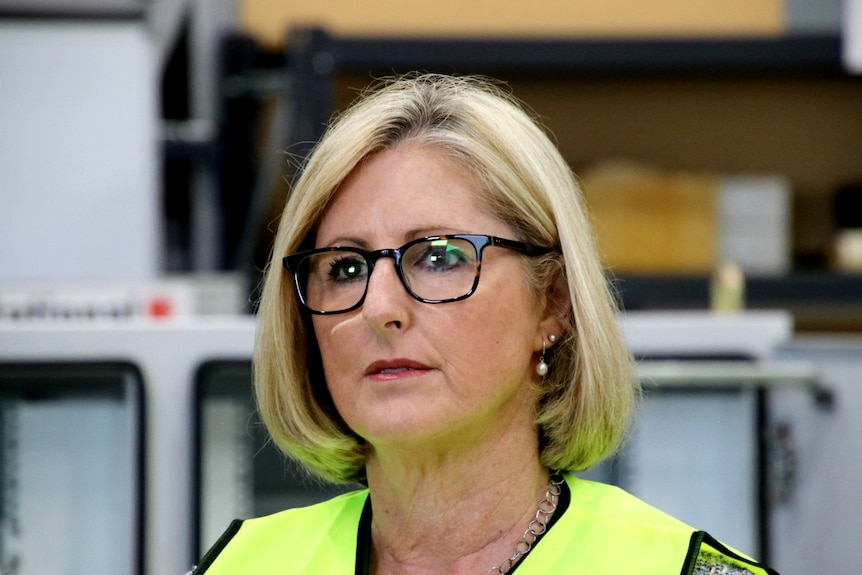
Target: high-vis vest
{"points": [[604, 531]]}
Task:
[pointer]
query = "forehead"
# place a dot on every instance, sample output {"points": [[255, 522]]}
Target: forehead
{"points": [[408, 189]]}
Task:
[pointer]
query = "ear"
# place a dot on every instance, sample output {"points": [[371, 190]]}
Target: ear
{"points": [[556, 311]]}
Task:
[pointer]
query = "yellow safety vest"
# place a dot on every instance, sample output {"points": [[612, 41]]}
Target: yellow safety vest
{"points": [[604, 531]]}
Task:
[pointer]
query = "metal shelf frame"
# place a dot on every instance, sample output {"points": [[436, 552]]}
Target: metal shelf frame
{"points": [[315, 57]]}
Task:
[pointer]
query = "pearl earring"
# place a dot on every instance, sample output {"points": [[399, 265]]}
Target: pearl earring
{"points": [[542, 368]]}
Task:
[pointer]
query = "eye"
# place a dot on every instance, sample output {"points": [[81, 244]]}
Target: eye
{"points": [[347, 268], [444, 255]]}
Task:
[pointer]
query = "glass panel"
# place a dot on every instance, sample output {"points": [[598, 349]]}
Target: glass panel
{"points": [[70, 465], [241, 473], [693, 454]]}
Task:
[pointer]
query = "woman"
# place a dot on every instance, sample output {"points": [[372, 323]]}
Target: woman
{"points": [[436, 326]]}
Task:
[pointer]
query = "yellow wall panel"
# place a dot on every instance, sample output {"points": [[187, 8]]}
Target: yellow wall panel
{"points": [[270, 19]]}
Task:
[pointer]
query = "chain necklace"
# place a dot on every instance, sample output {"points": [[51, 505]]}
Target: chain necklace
{"points": [[538, 525]]}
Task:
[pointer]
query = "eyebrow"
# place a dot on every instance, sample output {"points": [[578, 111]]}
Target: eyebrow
{"points": [[345, 240], [408, 236]]}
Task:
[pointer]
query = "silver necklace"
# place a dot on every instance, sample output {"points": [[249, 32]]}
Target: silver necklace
{"points": [[538, 525]]}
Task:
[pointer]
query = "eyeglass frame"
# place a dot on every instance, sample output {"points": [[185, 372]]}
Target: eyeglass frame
{"points": [[479, 242]]}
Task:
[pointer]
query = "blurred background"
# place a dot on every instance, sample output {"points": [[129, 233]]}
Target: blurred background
{"points": [[146, 151]]}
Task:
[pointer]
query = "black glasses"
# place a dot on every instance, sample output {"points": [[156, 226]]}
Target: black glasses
{"points": [[434, 269]]}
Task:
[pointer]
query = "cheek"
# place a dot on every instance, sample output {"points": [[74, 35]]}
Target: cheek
{"points": [[333, 351], [492, 341]]}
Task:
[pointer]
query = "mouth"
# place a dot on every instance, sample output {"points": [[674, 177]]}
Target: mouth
{"points": [[395, 369]]}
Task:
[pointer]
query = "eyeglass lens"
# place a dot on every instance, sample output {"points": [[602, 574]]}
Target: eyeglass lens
{"points": [[434, 270]]}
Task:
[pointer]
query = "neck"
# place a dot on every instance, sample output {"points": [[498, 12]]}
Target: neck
{"points": [[459, 516]]}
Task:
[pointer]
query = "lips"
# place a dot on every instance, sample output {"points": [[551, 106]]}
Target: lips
{"points": [[395, 368]]}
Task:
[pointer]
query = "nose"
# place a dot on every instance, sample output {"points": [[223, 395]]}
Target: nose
{"points": [[387, 303]]}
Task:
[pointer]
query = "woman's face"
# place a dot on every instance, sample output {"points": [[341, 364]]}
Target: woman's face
{"points": [[403, 372]]}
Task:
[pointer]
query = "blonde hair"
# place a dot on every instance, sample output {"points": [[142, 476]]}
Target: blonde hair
{"points": [[584, 403]]}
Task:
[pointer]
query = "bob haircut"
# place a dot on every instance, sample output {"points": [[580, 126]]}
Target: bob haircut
{"points": [[584, 403]]}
